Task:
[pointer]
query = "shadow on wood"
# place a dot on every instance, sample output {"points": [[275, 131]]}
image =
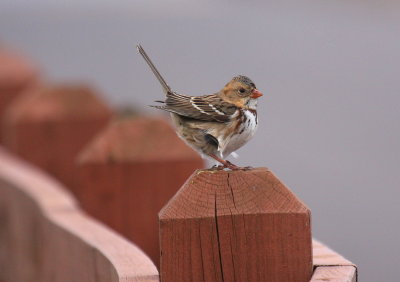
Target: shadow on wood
{"points": [[49, 125], [235, 226], [45, 237], [129, 172]]}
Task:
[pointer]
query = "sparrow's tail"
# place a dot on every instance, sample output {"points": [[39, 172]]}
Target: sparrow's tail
{"points": [[166, 87]]}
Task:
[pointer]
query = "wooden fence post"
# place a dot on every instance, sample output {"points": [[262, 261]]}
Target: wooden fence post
{"points": [[49, 125], [129, 172], [16, 75], [235, 226]]}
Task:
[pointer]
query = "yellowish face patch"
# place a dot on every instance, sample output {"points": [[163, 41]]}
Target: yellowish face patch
{"points": [[232, 93]]}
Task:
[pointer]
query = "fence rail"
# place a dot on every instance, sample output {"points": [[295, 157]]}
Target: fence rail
{"points": [[44, 236], [330, 266]]}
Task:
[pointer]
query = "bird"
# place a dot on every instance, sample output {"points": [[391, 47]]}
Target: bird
{"points": [[214, 125]]}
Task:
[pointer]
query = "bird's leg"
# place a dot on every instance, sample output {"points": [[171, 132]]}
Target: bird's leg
{"points": [[225, 164]]}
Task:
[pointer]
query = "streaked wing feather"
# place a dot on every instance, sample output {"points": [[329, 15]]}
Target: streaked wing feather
{"points": [[207, 107]]}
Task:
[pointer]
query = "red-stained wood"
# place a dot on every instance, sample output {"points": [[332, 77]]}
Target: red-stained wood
{"points": [[45, 237], [129, 172], [235, 226], [17, 74], [49, 125], [330, 266]]}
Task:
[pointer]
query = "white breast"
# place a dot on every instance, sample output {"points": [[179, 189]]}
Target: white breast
{"points": [[244, 133]]}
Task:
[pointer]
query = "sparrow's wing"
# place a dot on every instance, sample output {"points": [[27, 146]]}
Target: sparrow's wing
{"points": [[207, 108], [164, 84]]}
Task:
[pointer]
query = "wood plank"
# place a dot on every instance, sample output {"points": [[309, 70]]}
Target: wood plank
{"points": [[235, 226], [324, 256], [45, 237], [331, 266], [334, 274]]}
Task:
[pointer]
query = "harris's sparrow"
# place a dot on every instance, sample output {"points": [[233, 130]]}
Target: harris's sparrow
{"points": [[215, 125]]}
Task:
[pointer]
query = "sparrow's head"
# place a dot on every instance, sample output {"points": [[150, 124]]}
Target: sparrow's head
{"points": [[241, 91]]}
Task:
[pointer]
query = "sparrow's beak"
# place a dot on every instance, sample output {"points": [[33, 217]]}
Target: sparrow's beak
{"points": [[255, 94]]}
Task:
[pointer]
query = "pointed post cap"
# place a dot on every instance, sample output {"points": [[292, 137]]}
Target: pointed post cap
{"points": [[136, 139], [235, 226], [57, 103], [15, 70], [252, 191]]}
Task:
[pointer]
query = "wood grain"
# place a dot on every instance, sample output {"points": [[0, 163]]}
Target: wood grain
{"points": [[129, 172], [331, 266], [324, 256], [49, 125], [45, 237], [334, 274], [235, 226]]}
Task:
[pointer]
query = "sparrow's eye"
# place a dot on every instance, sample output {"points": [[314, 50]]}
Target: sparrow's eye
{"points": [[242, 90]]}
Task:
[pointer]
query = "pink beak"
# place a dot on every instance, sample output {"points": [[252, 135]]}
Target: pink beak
{"points": [[255, 94]]}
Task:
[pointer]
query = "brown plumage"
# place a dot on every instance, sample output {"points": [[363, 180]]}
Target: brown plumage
{"points": [[215, 125]]}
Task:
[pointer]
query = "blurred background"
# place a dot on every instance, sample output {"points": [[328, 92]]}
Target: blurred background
{"points": [[329, 119]]}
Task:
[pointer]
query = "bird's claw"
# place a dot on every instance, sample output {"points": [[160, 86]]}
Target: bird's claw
{"points": [[217, 167], [227, 164], [247, 168], [231, 166]]}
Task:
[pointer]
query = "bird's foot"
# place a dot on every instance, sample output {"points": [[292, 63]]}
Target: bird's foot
{"points": [[247, 168], [227, 164], [231, 166], [217, 167]]}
